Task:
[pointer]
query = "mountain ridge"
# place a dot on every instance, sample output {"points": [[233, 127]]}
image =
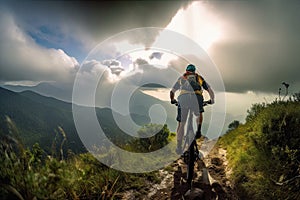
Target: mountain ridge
{"points": [[45, 89], [38, 118]]}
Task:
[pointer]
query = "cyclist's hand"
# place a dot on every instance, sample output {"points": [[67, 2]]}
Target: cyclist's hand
{"points": [[205, 103], [174, 101]]}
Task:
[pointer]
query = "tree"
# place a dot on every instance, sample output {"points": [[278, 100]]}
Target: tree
{"points": [[254, 110], [152, 137], [233, 125]]}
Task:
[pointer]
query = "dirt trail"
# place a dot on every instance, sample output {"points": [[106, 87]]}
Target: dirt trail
{"points": [[219, 172], [174, 187]]}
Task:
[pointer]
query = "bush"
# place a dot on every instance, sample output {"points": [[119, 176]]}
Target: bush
{"points": [[254, 111]]}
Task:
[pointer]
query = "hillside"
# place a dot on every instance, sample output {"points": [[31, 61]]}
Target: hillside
{"points": [[263, 154], [45, 89], [141, 104], [38, 119]]}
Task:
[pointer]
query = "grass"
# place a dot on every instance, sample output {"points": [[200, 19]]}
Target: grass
{"points": [[265, 150], [78, 177], [28, 173]]}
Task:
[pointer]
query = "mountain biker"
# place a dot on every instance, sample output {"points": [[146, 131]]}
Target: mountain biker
{"points": [[190, 98]]}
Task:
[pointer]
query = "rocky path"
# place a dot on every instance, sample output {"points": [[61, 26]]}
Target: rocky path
{"points": [[174, 187], [219, 172]]}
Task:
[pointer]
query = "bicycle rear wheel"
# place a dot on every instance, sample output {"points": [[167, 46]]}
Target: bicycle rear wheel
{"points": [[191, 163]]}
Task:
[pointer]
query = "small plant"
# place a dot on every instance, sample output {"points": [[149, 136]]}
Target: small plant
{"points": [[296, 97]]}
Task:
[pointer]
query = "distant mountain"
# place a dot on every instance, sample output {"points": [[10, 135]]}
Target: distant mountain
{"points": [[141, 104], [153, 85], [37, 118], [45, 89]]}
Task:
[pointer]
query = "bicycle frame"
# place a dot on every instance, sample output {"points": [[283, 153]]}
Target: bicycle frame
{"points": [[192, 154], [189, 136]]}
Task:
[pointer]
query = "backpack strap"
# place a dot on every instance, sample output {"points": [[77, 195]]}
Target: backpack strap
{"points": [[199, 79]]}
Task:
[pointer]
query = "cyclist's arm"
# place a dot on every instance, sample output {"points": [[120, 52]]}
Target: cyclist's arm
{"points": [[211, 93], [174, 89]]}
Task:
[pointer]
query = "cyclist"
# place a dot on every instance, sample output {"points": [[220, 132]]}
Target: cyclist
{"points": [[190, 98]]}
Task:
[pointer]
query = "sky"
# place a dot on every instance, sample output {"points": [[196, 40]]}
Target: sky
{"points": [[254, 45]]}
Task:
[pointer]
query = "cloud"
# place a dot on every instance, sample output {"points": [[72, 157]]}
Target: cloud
{"points": [[156, 55], [91, 22], [257, 66], [198, 22], [95, 72], [22, 59], [36, 36], [261, 45], [258, 48], [111, 62], [141, 62], [114, 66]]}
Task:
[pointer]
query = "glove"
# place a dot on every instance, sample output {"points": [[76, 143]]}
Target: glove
{"points": [[174, 101]]}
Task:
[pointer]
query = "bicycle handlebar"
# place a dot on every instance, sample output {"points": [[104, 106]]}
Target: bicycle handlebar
{"points": [[205, 103]]}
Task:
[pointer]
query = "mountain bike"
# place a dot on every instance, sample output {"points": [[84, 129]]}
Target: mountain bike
{"points": [[191, 153]]}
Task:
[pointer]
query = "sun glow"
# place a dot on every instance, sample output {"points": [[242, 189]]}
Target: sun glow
{"points": [[198, 23]]}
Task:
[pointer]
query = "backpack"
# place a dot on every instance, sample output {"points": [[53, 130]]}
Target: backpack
{"points": [[191, 82]]}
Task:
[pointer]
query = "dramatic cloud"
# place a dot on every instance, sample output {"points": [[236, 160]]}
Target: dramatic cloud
{"points": [[37, 38], [94, 72], [261, 45], [254, 44], [257, 66], [22, 59], [90, 21]]}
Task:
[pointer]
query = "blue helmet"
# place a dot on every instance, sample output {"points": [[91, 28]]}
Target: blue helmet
{"points": [[191, 68]]}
